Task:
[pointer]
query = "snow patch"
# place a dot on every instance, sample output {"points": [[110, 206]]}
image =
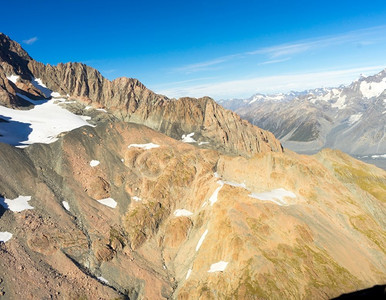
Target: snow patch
{"points": [[354, 118], [94, 163], [188, 274], [182, 213], [16, 205], [340, 103], [188, 138], [5, 236], [144, 146], [102, 279], [201, 240], [101, 109], [135, 198], [14, 78], [378, 156], [66, 205], [55, 95], [110, 202], [372, 89], [203, 143], [276, 196], [218, 267]]}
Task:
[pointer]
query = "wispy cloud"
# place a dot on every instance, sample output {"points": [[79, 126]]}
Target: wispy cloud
{"points": [[275, 53], [270, 84], [31, 40], [205, 65], [275, 61]]}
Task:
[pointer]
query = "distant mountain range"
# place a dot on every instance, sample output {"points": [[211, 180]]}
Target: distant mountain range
{"points": [[350, 118]]}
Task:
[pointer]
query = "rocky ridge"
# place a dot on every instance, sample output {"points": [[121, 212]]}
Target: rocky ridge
{"points": [[129, 100]]}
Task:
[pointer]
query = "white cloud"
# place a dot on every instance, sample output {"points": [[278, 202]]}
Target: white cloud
{"points": [[31, 40], [270, 84]]}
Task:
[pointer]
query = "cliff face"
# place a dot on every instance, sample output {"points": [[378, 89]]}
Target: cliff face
{"points": [[129, 100]]}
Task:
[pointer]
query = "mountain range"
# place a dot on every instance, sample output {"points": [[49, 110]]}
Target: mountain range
{"points": [[349, 118], [111, 191]]}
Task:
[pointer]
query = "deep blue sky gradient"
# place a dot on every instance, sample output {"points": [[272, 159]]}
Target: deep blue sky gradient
{"points": [[179, 47]]}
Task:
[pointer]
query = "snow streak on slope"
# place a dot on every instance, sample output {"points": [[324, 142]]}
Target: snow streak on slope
{"points": [[276, 196], [144, 146], [182, 213], [201, 240]]}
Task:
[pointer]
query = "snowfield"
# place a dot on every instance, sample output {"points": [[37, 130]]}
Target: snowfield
{"points": [[41, 124], [16, 205]]}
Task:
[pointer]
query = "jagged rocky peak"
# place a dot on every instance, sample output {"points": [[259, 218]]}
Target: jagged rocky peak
{"points": [[13, 58], [129, 100]]}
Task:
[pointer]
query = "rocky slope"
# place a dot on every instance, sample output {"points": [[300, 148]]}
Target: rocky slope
{"points": [[350, 118], [129, 100], [180, 211]]}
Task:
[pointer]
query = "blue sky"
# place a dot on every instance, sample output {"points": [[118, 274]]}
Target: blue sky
{"points": [[223, 49]]}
